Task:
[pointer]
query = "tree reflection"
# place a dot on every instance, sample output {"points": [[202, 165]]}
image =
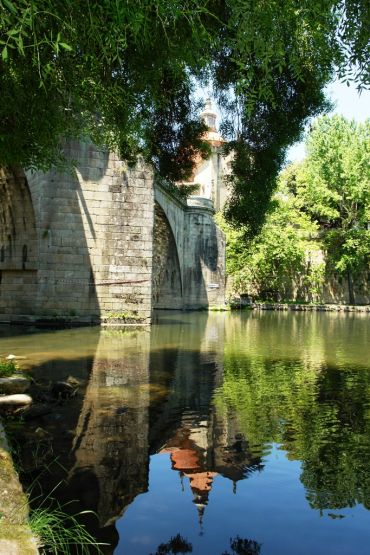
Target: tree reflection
{"points": [[317, 413], [243, 546], [239, 546], [177, 544]]}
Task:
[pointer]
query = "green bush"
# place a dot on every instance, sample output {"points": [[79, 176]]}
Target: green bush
{"points": [[7, 368]]}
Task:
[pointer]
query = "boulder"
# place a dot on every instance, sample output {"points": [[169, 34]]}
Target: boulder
{"points": [[14, 384], [18, 400]]}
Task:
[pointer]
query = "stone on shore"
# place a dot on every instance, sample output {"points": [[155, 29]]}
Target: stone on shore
{"points": [[15, 400], [14, 384]]}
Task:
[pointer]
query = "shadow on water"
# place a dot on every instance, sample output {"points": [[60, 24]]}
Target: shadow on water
{"points": [[196, 411]]}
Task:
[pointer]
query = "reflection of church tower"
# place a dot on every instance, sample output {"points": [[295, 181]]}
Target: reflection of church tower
{"points": [[201, 486], [190, 462], [202, 441]]}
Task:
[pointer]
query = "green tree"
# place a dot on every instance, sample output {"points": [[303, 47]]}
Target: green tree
{"points": [[333, 185], [267, 265], [321, 204], [122, 73]]}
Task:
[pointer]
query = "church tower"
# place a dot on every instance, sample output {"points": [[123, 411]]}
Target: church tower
{"points": [[209, 174]]}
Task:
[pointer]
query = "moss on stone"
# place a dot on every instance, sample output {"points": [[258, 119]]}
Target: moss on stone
{"points": [[15, 535], [17, 540]]}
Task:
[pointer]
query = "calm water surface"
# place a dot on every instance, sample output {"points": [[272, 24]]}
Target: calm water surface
{"points": [[244, 433]]}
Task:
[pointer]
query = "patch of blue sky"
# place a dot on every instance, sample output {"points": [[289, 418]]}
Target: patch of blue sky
{"points": [[348, 102]]}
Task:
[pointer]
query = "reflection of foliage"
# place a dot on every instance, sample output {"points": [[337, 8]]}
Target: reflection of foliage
{"points": [[177, 544], [316, 414], [336, 472], [240, 546]]}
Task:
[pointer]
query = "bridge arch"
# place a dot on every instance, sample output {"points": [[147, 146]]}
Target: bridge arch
{"points": [[84, 246], [167, 286], [18, 243], [18, 235]]}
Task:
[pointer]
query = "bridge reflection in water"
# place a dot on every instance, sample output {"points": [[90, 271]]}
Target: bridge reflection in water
{"points": [[149, 394], [187, 411]]}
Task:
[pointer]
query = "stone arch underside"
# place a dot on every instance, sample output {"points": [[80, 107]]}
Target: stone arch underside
{"points": [[166, 278], [18, 243]]}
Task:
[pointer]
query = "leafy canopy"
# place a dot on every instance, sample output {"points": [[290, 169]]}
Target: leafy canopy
{"points": [[321, 204], [333, 185], [123, 73], [267, 265]]}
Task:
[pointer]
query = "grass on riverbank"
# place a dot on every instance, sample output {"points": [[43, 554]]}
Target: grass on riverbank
{"points": [[7, 368], [52, 527], [58, 532]]}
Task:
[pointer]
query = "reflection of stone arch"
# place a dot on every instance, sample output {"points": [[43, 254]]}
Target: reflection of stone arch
{"points": [[166, 280], [18, 237]]}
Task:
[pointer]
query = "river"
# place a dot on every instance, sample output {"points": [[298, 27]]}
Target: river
{"points": [[210, 433]]}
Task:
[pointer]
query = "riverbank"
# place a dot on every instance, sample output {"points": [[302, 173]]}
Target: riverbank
{"points": [[310, 307], [237, 304], [15, 535]]}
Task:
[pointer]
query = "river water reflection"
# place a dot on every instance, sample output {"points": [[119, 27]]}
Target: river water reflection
{"points": [[242, 433]]}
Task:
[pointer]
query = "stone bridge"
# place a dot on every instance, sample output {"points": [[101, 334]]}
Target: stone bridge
{"points": [[104, 241]]}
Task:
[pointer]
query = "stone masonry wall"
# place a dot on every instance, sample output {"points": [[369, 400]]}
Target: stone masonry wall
{"points": [[83, 245], [166, 281], [204, 257], [200, 246], [18, 243], [94, 242]]}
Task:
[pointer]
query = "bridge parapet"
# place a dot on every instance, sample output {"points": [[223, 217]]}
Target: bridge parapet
{"points": [[200, 202]]}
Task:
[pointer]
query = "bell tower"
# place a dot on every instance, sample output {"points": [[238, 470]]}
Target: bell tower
{"points": [[209, 174]]}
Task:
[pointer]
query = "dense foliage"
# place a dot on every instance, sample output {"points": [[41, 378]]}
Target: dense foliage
{"points": [[7, 368], [266, 131], [123, 73], [333, 185], [266, 266], [322, 204]]}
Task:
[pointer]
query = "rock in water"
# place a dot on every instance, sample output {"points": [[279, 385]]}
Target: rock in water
{"points": [[35, 411], [14, 384], [63, 390], [15, 400]]}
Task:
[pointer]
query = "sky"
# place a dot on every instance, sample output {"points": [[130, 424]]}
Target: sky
{"points": [[347, 103]]}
